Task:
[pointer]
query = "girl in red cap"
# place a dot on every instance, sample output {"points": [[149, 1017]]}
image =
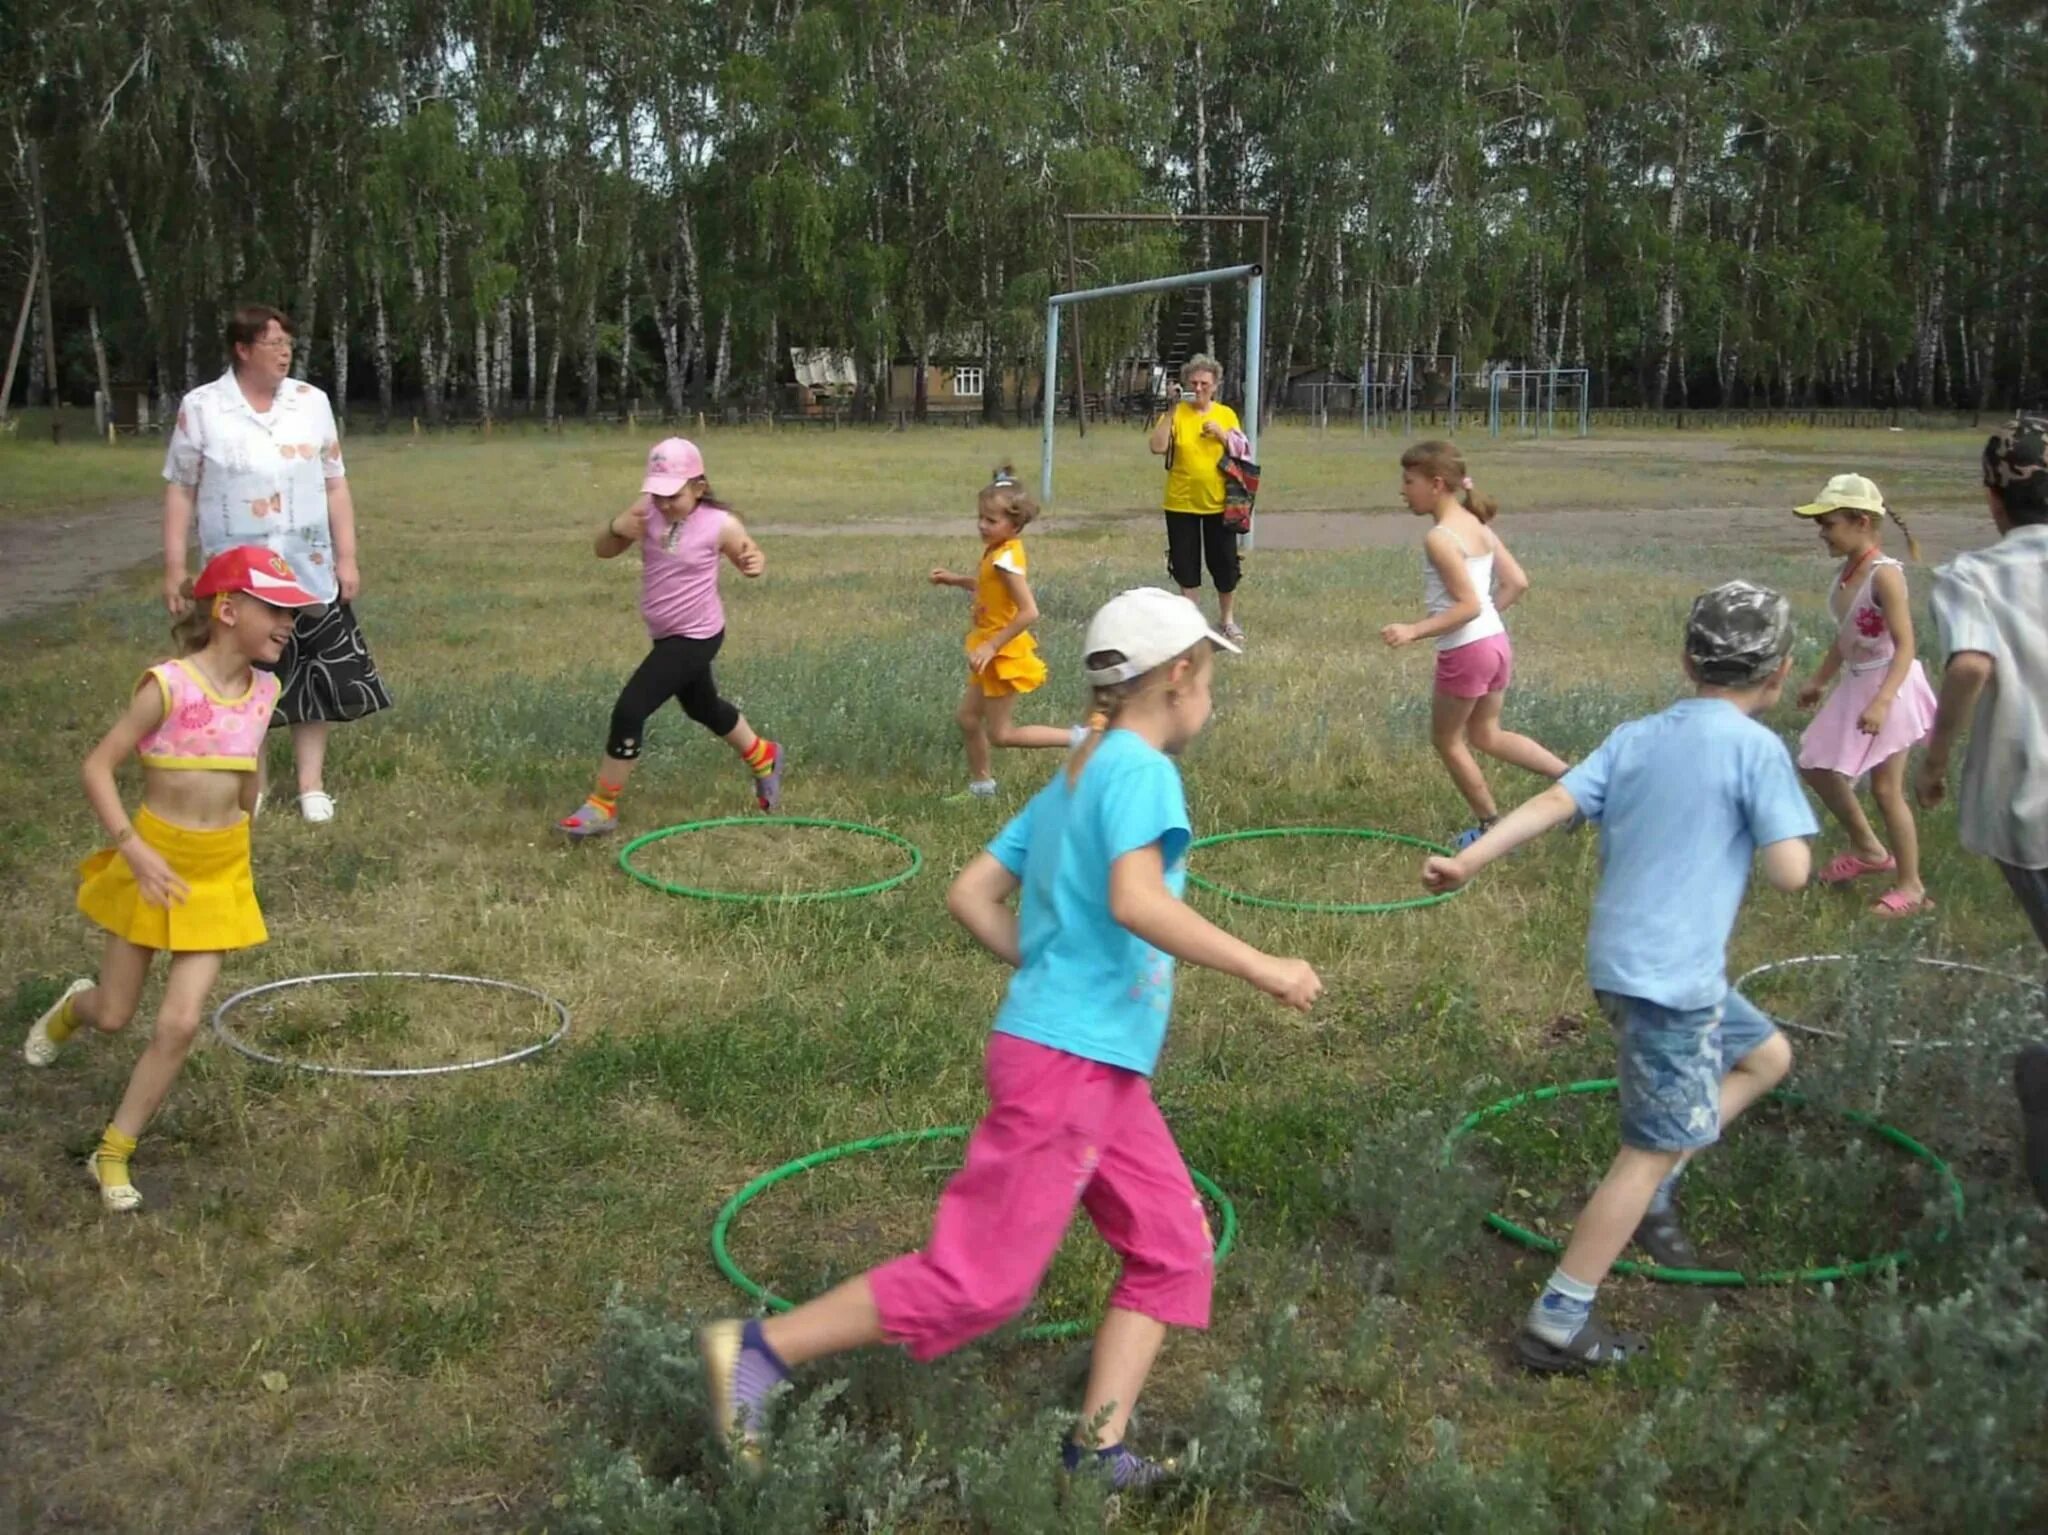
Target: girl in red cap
{"points": [[682, 532], [176, 879]]}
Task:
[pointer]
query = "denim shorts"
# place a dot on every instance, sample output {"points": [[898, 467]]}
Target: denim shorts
{"points": [[1672, 1061]]}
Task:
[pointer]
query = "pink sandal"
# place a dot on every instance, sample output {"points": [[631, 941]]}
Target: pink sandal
{"points": [[1901, 903], [1845, 867]]}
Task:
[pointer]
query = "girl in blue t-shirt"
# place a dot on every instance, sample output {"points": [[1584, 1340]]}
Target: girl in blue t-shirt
{"points": [[1098, 856]]}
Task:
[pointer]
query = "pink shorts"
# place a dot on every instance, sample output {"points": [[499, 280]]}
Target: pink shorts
{"points": [[1474, 670], [1060, 1131]]}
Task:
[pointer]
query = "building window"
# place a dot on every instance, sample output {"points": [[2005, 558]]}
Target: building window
{"points": [[967, 383]]}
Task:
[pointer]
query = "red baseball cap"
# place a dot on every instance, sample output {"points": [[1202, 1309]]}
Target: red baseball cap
{"points": [[254, 569]]}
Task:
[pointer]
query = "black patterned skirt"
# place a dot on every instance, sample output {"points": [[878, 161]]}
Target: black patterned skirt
{"points": [[326, 672]]}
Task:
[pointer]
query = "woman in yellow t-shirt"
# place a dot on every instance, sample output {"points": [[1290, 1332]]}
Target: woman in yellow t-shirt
{"points": [[1002, 658], [1191, 434]]}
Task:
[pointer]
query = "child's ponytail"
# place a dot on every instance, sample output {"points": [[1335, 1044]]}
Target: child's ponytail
{"points": [[1479, 503], [1912, 543], [191, 629]]}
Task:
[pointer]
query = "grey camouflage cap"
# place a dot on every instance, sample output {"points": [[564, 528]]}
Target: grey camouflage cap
{"points": [[2016, 463], [1737, 633]]}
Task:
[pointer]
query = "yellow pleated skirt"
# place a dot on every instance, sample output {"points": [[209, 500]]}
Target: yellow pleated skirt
{"points": [[219, 910], [1016, 669]]}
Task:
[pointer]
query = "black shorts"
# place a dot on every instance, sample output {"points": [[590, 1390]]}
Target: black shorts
{"points": [[1192, 536], [325, 672]]}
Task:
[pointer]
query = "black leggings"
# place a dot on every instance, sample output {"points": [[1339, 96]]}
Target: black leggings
{"points": [[675, 668], [1191, 535]]}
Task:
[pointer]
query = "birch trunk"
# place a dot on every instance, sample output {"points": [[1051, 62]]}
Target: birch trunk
{"points": [[626, 396], [589, 337], [99, 359], [1928, 342], [721, 372], [1667, 276], [149, 310], [532, 352], [429, 362], [447, 314], [380, 349], [502, 386], [309, 294], [339, 398], [693, 295], [480, 349]]}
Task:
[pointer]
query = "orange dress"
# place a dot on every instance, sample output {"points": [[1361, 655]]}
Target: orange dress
{"points": [[1016, 667]]}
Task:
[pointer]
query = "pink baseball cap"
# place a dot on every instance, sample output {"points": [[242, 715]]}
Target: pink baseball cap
{"points": [[671, 464]]}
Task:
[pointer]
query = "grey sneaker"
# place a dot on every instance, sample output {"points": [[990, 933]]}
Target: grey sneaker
{"points": [[1231, 631], [587, 821], [768, 788], [1661, 1236]]}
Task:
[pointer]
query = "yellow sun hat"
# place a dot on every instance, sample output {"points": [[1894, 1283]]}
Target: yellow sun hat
{"points": [[1845, 493]]}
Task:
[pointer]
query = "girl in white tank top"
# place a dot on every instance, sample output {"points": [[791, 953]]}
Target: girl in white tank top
{"points": [[1468, 577]]}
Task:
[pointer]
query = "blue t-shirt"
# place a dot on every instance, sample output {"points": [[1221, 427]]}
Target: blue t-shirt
{"points": [[1087, 985], [1684, 799]]}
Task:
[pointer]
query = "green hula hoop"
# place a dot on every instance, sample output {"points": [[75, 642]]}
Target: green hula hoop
{"points": [[1826, 1274], [761, 1293], [770, 897], [1329, 908]]}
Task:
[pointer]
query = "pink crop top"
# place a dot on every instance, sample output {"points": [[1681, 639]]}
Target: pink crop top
{"points": [[203, 730]]}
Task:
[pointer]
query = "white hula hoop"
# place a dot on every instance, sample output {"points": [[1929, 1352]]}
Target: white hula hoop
{"points": [[243, 1047], [1798, 960]]}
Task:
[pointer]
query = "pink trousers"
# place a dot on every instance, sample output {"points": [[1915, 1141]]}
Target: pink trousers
{"points": [[1060, 1131]]}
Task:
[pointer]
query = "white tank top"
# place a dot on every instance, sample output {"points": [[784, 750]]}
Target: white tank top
{"points": [[1435, 597]]}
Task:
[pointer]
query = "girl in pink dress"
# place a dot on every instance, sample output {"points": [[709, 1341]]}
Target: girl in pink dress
{"points": [[1880, 707]]}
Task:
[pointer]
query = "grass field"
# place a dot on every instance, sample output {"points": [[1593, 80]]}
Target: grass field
{"points": [[462, 1302]]}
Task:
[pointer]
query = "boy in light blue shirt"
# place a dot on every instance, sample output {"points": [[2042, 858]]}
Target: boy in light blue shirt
{"points": [[1684, 800]]}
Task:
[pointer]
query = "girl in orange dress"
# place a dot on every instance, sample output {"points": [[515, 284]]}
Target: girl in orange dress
{"points": [[1002, 658]]}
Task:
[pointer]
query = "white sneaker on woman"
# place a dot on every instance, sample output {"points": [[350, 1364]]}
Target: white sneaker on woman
{"points": [[316, 805]]}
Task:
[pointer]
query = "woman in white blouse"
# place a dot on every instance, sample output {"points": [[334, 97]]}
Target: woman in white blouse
{"points": [[257, 456]]}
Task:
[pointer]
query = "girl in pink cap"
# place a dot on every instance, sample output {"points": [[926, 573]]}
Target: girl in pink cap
{"points": [[1097, 861], [682, 531], [176, 879]]}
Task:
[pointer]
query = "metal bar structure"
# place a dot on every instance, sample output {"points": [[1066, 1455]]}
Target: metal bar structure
{"points": [[1381, 373], [1263, 222], [1537, 416], [1255, 340]]}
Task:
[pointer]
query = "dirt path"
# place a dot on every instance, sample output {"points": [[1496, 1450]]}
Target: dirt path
{"points": [[1764, 528], [46, 561]]}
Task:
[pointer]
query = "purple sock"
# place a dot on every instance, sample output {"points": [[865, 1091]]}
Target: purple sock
{"points": [[758, 1371]]}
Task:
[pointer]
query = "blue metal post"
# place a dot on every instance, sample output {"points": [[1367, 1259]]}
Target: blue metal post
{"points": [[1255, 363], [1048, 410]]}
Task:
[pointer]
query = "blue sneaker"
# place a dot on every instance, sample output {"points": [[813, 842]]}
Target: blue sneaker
{"points": [[1125, 1469]]}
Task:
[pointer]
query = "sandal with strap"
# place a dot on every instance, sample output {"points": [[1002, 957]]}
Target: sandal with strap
{"points": [[1901, 903], [115, 1196], [1595, 1346], [1844, 867]]}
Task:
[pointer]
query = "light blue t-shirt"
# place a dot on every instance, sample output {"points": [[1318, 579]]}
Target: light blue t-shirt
{"points": [[1087, 985], [1684, 799]]}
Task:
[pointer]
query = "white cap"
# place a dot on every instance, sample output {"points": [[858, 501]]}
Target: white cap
{"points": [[1147, 627], [1845, 493]]}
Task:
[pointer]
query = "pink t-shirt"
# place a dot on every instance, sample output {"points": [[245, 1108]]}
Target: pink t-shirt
{"points": [[679, 574]]}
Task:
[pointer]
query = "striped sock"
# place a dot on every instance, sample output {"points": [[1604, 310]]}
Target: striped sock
{"points": [[755, 1374], [761, 756], [606, 796], [110, 1161]]}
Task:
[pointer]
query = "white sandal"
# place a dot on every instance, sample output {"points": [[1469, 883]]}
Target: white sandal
{"points": [[115, 1196], [316, 805], [39, 1049]]}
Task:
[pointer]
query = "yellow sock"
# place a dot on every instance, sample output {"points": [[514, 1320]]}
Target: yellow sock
{"points": [[65, 1024], [760, 756], [606, 796], [110, 1162]]}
